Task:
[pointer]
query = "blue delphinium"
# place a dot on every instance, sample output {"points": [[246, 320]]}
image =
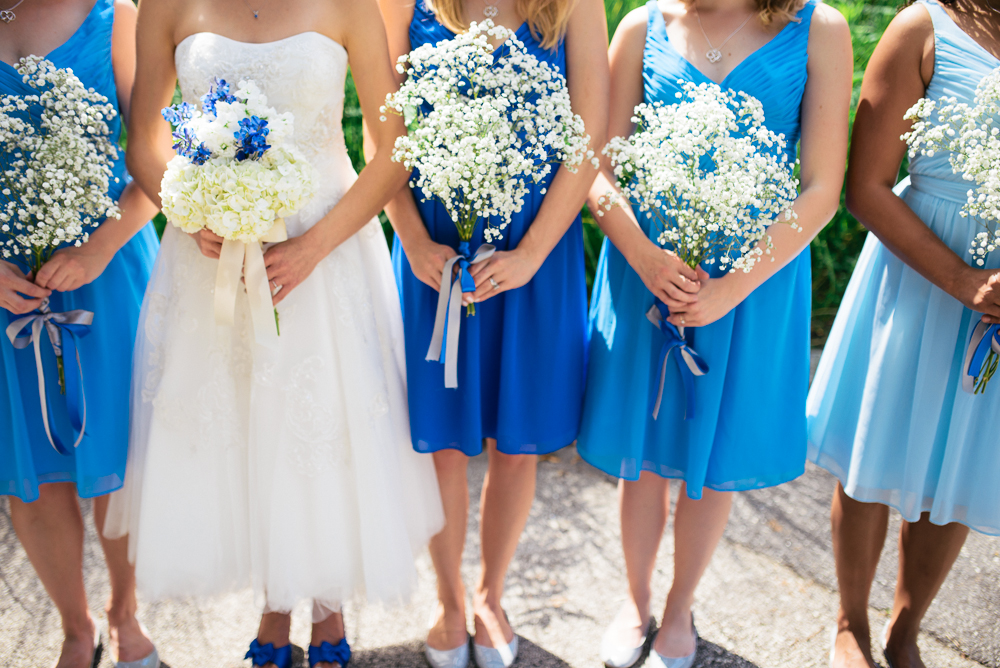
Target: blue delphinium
{"points": [[178, 113], [251, 139], [186, 143], [217, 92]]}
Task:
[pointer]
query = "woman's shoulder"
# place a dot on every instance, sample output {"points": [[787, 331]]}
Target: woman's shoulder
{"points": [[827, 22]]}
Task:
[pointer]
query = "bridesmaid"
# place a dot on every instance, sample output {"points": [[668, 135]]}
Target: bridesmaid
{"points": [[887, 415], [108, 276], [751, 328], [521, 358]]}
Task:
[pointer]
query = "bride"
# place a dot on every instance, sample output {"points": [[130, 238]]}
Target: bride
{"points": [[289, 470]]}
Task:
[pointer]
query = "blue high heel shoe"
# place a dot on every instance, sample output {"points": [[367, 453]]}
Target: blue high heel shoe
{"points": [[261, 655], [328, 653]]}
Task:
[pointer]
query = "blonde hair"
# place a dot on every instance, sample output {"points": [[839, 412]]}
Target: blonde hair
{"points": [[547, 19], [770, 10]]}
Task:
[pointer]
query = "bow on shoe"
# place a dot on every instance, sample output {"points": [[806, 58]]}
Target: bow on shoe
{"points": [[449, 316], [73, 324], [690, 363], [262, 655], [327, 653], [981, 358]]}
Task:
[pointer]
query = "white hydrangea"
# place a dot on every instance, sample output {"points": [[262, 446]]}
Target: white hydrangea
{"points": [[709, 173], [973, 139], [54, 176], [482, 125]]}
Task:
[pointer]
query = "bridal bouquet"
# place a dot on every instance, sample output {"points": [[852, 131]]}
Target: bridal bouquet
{"points": [[236, 175], [972, 138], [56, 159], [712, 178], [481, 126]]}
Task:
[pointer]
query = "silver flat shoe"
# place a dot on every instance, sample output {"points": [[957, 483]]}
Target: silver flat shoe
{"points": [[885, 643], [150, 661], [657, 660], [496, 657], [448, 658], [619, 656]]}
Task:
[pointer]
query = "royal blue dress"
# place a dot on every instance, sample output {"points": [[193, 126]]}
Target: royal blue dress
{"points": [[748, 429], [521, 357], [887, 413], [98, 464]]}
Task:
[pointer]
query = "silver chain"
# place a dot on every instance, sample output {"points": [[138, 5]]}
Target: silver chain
{"points": [[713, 54]]}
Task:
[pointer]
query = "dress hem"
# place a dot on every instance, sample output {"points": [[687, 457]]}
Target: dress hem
{"points": [[547, 447]]}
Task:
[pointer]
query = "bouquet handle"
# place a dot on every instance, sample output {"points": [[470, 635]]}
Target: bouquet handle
{"points": [[449, 314], [247, 260], [690, 362], [980, 357], [73, 324]]}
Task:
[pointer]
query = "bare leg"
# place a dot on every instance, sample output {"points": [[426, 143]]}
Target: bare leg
{"points": [[449, 630], [275, 628], [51, 531], [128, 642], [644, 505], [508, 492], [926, 554], [329, 630], [858, 537], [698, 527]]}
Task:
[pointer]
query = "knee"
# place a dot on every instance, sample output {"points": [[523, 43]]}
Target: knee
{"points": [[450, 463], [513, 464]]}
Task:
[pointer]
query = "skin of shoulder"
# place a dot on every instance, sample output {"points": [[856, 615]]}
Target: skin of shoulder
{"points": [[828, 34], [123, 52]]}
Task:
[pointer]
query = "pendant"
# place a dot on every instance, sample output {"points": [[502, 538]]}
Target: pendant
{"points": [[490, 11], [255, 15], [7, 16], [713, 55]]}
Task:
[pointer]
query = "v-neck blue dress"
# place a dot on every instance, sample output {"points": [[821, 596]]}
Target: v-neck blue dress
{"points": [[521, 357], [887, 413], [98, 464], [748, 429]]}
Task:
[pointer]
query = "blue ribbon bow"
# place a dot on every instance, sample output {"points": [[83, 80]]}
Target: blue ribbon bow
{"points": [[262, 655], [985, 340], [328, 653], [689, 362], [72, 324]]}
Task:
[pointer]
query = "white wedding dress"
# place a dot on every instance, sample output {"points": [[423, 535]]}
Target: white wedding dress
{"points": [[287, 470]]}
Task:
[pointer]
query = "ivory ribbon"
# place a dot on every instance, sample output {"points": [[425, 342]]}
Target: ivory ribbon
{"points": [[689, 362], [984, 339], [247, 260], [449, 315], [74, 323]]}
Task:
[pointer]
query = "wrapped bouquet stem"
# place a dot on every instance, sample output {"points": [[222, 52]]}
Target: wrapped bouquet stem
{"points": [[56, 157], [710, 178], [481, 125]]}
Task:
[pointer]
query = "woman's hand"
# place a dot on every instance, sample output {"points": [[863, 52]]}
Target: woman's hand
{"points": [[508, 269], [717, 297], [667, 276], [12, 282], [979, 290], [72, 268], [289, 263], [209, 244], [427, 261]]}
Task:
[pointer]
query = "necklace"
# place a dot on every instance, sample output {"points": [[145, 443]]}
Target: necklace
{"points": [[490, 9], [8, 15], [255, 11], [713, 54]]}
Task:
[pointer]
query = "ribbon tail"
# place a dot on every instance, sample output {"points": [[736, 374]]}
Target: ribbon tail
{"points": [[975, 355], [688, 389], [261, 305], [662, 366], [437, 338], [47, 418], [227, 281], [454, 327], [76, 397]]}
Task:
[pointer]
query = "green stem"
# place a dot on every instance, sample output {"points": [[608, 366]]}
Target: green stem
{"points": [[986, 372]]}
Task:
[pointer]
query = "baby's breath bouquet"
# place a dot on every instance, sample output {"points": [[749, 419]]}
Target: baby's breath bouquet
{"points": [[236, 175], [712, 178], [481, 126], [972, 138]]}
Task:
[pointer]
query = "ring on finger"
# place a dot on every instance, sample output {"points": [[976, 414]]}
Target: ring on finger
{"points": [[496, 286]]}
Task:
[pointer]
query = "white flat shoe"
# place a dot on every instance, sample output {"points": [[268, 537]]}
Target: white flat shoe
{"points": [[448, 658], [619, 656], [150, 661], [496, 657], [657, 660], [885, 642]]}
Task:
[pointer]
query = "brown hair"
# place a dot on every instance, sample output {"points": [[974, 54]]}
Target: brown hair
{"points": [[547, 19], [770, 10]]}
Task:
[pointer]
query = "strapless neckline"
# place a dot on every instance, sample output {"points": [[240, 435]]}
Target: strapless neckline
{"points": [[269, 43]]}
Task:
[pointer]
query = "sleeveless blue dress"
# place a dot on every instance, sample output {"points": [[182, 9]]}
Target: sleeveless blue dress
{"points": [[887, 414], [98, 464], [521, 357], [748, 429]]}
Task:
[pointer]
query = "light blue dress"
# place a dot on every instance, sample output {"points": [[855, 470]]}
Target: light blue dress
{"points": [[98, 464], [887, 414], [748, 429], [521, 357]]}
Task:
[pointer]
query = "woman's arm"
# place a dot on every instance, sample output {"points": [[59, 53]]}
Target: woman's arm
{"points": [[662, 272], [71, 268], [896, 78], [289, 263], [825, 111], [587, 77]]}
